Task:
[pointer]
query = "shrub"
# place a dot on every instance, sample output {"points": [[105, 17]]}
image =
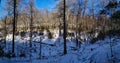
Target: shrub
{"points": [[1, 51], [50, 36]]}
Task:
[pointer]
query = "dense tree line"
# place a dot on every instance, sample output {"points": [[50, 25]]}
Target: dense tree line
{"points": [[78, 15]]}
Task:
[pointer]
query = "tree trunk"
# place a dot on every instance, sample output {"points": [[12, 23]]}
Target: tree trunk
{"points": [[59, 27], [40, 48], [31, 22], [64, 19], [14, 20], [5, 30], [77, 30]]}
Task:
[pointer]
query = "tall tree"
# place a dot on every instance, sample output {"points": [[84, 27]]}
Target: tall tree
{"points": [[12, 7], [62, 13], [77, 12], [77, 23], [31, 4], [14, 21], [64, 19], [5, 29], [9, 8], [111, 6], [59, 15]]}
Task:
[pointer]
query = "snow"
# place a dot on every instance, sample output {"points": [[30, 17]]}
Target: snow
{"points": [[48, 41], [52, 51], [96, 34], [9, 37]]}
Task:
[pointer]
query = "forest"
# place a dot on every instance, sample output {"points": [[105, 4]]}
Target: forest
{"points": [[59, 31]]}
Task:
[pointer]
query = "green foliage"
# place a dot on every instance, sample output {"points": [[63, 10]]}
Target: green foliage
{"points": [[116, 18], [112, 4]]}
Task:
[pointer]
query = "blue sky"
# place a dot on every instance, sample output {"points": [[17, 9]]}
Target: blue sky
{"points": [[49, 4], [1, 10], [41, 4]]}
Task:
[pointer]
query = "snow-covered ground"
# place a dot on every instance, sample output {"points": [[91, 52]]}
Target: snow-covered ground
{"points": [[52, 51]]}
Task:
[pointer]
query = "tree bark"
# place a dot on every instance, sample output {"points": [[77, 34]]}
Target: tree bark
{"points": [[64, 19], [14, 21], [31, 22], [5, 30]]}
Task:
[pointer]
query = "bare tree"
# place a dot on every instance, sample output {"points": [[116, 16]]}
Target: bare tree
{"points": [[62, 9], [14, 21], [31, 4], [5, 29], [84, 7], [64, 19], [77, 11], [12, 6]]}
